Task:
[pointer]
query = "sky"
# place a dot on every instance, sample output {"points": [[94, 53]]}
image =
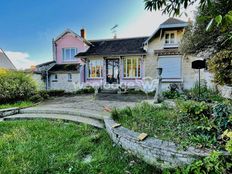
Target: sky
{"points": [[28, 26]]}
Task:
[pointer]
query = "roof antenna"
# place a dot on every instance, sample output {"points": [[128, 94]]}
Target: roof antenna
{"points": [[114, 31]]}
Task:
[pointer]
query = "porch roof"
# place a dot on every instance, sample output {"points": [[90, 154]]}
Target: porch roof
{"points": [[126, 46], [65, 67]]}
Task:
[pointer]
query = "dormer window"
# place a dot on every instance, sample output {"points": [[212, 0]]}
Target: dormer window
{"points": [[68, 54], [170, 39]]}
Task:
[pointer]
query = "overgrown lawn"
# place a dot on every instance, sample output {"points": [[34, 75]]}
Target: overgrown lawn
{"points": [[40, 146]]}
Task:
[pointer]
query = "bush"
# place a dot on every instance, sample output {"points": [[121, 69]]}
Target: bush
{"points": [[194, 109], [206, 94], [36, 98], [220, 65], [54, 93], [44, 94], [16, 86], [173, 92], [87, 90]]}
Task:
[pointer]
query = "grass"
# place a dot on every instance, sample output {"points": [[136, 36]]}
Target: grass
{"points": [[41, 146], [20, 104], [166, 124]]}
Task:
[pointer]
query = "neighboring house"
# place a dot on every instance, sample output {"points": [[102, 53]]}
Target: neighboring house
{"points": [[64, 71], [125, 62], [5, 62]]}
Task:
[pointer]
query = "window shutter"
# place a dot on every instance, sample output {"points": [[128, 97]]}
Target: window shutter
{"points": [[171, 67]]}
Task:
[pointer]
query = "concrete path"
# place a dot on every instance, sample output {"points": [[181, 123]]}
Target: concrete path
{"points": [[87, 109]]}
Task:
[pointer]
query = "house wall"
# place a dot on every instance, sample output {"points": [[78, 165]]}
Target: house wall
{"points": [[62, 82], [69, 41], [38, 79], [189, 76]]}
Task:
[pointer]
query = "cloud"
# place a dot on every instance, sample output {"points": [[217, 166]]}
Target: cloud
{"points": [[147, 22], [20, 59]]}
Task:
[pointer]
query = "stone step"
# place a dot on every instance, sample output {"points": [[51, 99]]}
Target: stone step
{"points": [[78, 119], [64, 112]]}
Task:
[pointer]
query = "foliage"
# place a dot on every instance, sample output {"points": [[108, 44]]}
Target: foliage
{"points": [[87, 90], [173, 92], [200, 36], [192, 123], [55, 93], [41, 146], [20, 104], [172, 7], [206, 94], [228, 134], [220, 65], [16, 86], [194, 109], [215, 163]]}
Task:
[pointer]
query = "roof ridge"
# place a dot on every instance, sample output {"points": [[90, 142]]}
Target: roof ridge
{"points": [[118, 39]]}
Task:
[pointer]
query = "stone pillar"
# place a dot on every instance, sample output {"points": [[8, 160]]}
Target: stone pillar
{"points": [[158, 95]]}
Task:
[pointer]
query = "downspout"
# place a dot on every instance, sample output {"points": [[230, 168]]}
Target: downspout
{"points": [[46, 80]]}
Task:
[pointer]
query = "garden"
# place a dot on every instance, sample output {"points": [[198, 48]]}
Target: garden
{"points": [[203, 123]]}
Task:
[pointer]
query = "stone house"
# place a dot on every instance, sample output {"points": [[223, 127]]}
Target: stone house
{"points": [[5, 62], [120, 63]]}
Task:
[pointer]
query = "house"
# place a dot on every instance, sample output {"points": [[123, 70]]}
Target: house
{"points": [[63, 72], [5, 62], [120, 63]]}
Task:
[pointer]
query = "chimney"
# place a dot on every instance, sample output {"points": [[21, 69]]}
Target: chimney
{"points": [[83, 33]]}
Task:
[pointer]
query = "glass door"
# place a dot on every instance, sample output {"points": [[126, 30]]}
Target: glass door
{"points": [[112, 71]]}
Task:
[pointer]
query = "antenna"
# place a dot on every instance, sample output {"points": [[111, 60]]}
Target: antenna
{"points": [[114, 31]]}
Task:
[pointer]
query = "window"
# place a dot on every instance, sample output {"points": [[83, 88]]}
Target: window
{"points": [[54, 77], [69, 77], [171, 67], [132, 67], [95, 68], [69, 53], [170, 38]]}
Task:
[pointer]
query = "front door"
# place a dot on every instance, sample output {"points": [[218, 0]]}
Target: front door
{"points": [[112, 71]]}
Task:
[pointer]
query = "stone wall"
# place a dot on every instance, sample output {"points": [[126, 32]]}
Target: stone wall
{"points": [[226, 91], [156, 152]]}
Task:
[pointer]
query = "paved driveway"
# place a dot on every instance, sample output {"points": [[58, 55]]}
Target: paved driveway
{"points": [[89, 103]]}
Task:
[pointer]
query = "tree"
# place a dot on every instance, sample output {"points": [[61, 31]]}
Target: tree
{"points": [[172, 7]]}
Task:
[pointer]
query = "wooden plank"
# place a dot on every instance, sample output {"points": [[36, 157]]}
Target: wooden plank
{"points": [[116, 125], [142, 136]]}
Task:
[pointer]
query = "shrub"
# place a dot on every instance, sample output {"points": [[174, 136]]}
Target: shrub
{"points": [[87, 90], [44, 94], [16, 86], [54, 93], [173, 92], [36, 98], [194, 109], [220, 65], [221, 113], [206, 94]]}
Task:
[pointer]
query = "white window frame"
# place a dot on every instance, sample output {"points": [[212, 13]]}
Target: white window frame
{"points": [[169, 41], [69, 77], [138, 62], [101, 69], [172, 78], [54, 77], [64, 58]]}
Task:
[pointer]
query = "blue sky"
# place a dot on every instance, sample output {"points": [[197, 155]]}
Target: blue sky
{"points": [[28, 26]]}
